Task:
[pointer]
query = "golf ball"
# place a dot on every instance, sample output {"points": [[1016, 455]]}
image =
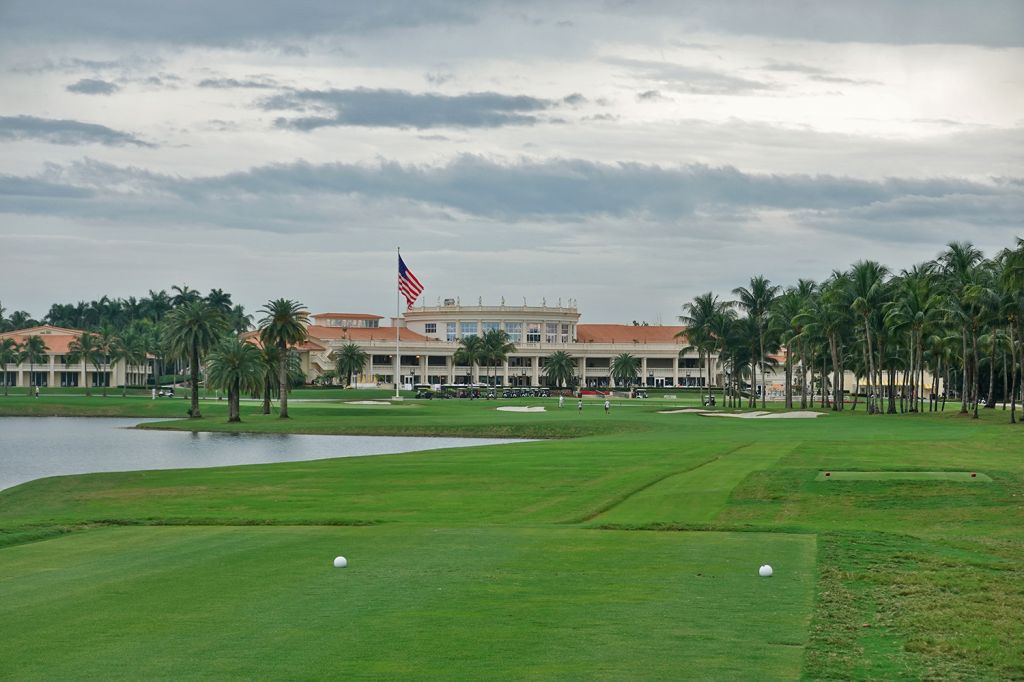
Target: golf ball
{"points": [[765, 571], [340, 562]]}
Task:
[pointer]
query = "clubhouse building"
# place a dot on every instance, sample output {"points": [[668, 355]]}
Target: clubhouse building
{"points": [[430, 336], [58, 370]]}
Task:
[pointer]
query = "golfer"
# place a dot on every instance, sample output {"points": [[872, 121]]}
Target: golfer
{"points": [[579, 406], [561, 401], [607, 406]]}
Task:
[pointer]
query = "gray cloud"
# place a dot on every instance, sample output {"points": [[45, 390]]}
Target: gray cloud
{"points": [[994, 23], [93, 86], [75, 64], [223, 23], [272, 197], [402, 109], [234, 83], [691, 79], [65, 131], [651, 96]]}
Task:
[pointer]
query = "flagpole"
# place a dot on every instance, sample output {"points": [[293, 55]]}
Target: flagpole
{"points": [[398, 346]]}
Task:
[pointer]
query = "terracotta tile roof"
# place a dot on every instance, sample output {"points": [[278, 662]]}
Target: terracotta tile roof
{"points": [[363, 334], [57, 339], [346, 316], [627, 333], [253, 337]]}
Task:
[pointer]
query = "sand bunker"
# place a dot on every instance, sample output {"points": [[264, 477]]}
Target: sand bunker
{"points": [[367, 402], [685, 410], [765, 415], [516, 408]]}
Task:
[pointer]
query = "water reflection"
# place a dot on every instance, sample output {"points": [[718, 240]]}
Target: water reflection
{"points": [[34, 447]]}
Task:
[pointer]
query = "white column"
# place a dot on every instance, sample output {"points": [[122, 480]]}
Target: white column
{"points": [[675, 370], [583, 370], [504, 377], [423, 370], [643, 370], [536, 370]]}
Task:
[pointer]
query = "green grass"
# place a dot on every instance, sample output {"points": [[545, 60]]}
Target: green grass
{"points": [[962, 476], [532, 560], [453, 603]]}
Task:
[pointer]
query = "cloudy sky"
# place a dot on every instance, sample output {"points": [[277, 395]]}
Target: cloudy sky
{"points": [[629, 155]]}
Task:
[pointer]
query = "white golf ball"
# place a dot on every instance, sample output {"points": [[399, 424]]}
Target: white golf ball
{"points": [[765, 571], [340, 562]]}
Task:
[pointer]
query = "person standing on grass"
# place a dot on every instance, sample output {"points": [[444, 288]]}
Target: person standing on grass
{"points": [[561, 401], [37, 390], [579, 406], [607, 406]]}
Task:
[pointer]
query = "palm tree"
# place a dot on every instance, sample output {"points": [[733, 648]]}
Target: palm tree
{"points": [[283, 324], [270, 361], [191, 330], [756, 300], [185, 294], [625, 369], [240, 321], [234, 366], [699, 317], [33, 351], [867, 280], [107, 341], [959, 260], [220, 300], [350, 359], [497, 348], [131, 348], [8, 354], [560, 369], [85, 349], [470, 353]]}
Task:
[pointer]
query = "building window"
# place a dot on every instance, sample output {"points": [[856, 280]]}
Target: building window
{"points": [[467, 329], [450, 336], [533, 332], [430, 328], [551, 332], [491, 326], [565, 333], [514, 331]]}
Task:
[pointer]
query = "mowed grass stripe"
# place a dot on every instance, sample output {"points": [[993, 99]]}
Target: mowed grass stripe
{"points": [[243, 603], [698, 495]]}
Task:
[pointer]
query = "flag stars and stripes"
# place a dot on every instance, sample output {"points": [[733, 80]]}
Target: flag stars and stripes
{"points": [[408, 285]]}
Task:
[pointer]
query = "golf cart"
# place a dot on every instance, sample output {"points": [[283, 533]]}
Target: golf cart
{"points": [[709, 401], [640, 393]]}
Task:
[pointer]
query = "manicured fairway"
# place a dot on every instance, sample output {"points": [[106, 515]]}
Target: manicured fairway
{"points": [[625, 546], [428, 602], [962, 476]]}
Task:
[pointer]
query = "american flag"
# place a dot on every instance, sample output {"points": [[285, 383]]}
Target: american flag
{"points": [[407, 283]]}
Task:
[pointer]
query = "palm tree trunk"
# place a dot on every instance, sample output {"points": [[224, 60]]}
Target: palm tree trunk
{"points": [[963, 387], [974, 381], [990, 399], [1013, 379], [871, 365], [194, 376], [1006, 379], [282, 376], [266, 394], [764, 387], [856, 393], [789, 379]]}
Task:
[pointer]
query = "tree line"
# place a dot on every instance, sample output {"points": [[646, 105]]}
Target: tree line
{"points": [[958, 318]]}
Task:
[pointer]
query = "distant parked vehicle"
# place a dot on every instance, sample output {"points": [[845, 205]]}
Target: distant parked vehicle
{"points": [[709, 401], [639, 393], [166, 392]]}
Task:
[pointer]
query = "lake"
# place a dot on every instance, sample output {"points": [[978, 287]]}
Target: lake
{"points": [[37, 447]]}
